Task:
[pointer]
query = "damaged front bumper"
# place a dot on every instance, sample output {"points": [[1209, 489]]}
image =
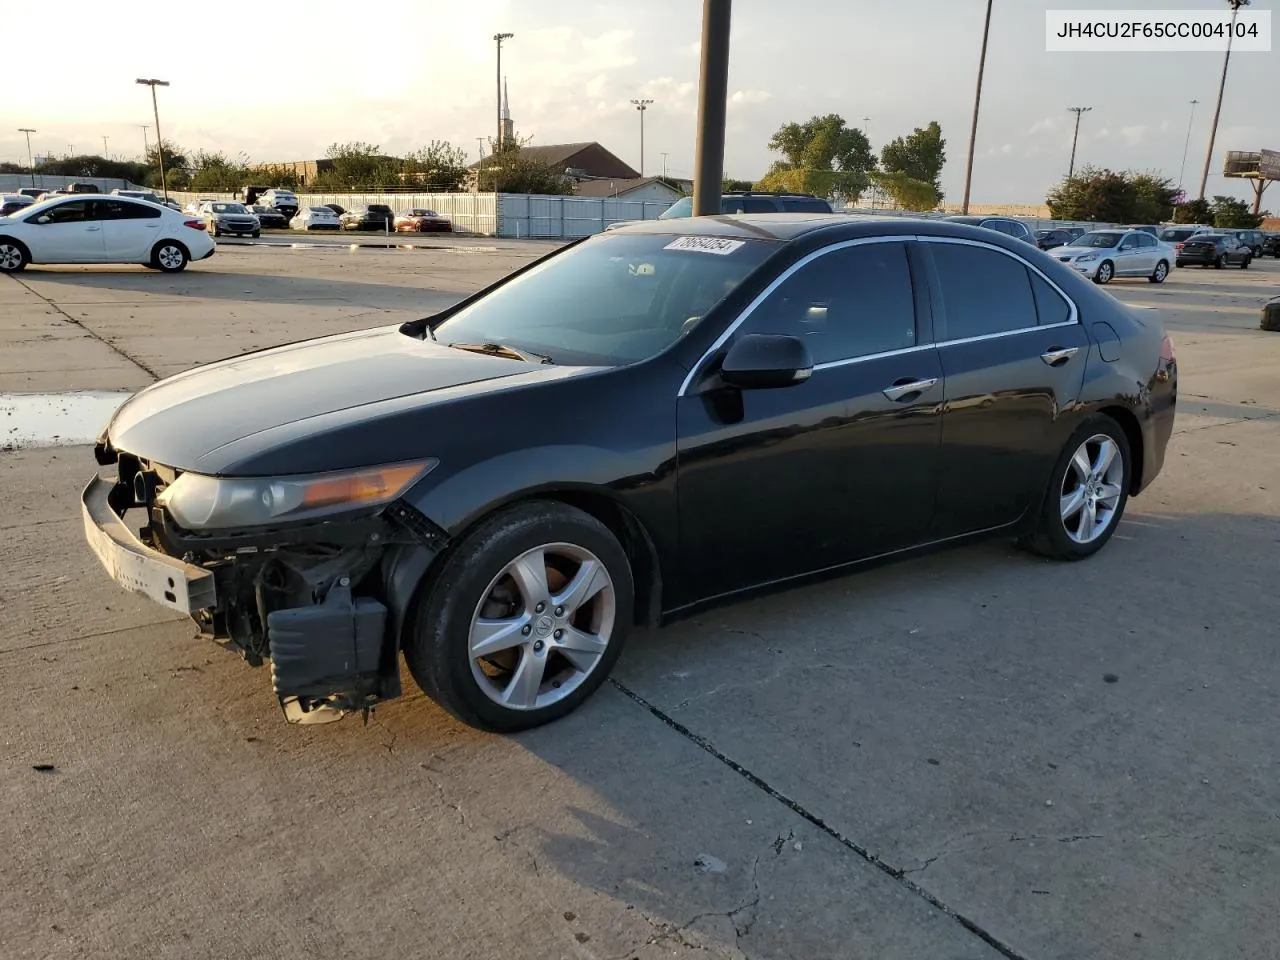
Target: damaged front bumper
{"points": [[325, 604]]}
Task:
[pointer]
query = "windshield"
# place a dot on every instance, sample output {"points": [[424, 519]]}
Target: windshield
{"points": [[1097, 240], [323, 211], [611, 300], [681, 208], [1176, 235], [229, 208]]}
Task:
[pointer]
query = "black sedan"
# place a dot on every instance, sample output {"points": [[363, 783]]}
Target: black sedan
{"points": [[1271, 245], [639, 424], [375, 216], [1062, 237], [1214, 250], [270, 217]]}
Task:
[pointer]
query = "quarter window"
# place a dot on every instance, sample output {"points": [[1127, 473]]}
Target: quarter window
{"points": [[1050, 306], [851, 302], [983, 292]]}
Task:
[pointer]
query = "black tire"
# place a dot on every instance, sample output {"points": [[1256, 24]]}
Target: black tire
{"points": [[1161, 271], [256, 234], [1179, 263], [1220, 262], [1050, 536], [14, 255], [437, 651], [170, 256], [1106, 271], [1244, 264]]}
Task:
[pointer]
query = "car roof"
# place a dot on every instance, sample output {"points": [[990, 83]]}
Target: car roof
{"points": [[792, 226]]}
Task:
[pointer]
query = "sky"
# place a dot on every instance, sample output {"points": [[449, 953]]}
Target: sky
{"points": [[574, 65]]}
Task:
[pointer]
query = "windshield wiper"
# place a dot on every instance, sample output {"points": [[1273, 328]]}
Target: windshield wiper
{"points": [[502, 350]]}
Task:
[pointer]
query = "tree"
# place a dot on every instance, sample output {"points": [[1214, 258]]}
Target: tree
{"points": [[1154, 197], [508, 169], [822, 156], [906, 191], [1193, 211], [439, 167], [1094, 194], [729, 185], [215, 172], [919, 156], [274, 175], [175, 165], [1230, 213], [356, 164]]}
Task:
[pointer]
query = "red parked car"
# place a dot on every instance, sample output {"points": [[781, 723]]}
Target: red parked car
{"points": [[422, 221]]}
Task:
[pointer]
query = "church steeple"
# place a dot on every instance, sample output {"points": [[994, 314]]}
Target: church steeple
{"points": [[508, 125]]}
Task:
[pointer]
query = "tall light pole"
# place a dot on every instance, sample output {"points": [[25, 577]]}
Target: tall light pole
{"points": [[642, 106], [498, 38], [977, 101], [480, 169], [1222, 85], [1078, 111], [164, 184], [104, 148], [664, 164], [713, 97], [31, 163], [1187, 145]]}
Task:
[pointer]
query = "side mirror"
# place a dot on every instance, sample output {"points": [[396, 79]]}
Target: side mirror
{"points": [[766, 360]]}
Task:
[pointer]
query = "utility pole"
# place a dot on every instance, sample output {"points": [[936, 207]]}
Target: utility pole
{"points": [[31, 163], [1078, 111], [146, 148], [1222, 85], [713, 93], [642, 106], [480, 169], [164, 184], [664, 164], [104, 149], [977, 100], [1187, 145], [498, 38]]}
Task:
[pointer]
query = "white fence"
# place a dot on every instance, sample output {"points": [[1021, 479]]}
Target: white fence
{"points": [[13, 182], [526, 215]]}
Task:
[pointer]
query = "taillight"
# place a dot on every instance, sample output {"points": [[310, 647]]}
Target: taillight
{"points": [[194, 224]]}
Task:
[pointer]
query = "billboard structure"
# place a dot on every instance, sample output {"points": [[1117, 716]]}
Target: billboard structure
{"points": [[1260, 166]]}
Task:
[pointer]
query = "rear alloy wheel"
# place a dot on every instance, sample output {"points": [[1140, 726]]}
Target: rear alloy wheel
{"points": [[1220, 262], [1244, 264], [170, 257], [13, 257], [525, 620], [1087, 493], [1161, 271], [1105, 272]]}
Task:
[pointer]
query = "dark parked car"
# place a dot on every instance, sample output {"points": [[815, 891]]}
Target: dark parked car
{"points": [[336, 208], [733, 403], [1010, 228], [1177, 236], [269, 217], [738, 203], [1214, 250], [1271, 245], [1061, 237], [1253, 239], [376, 216]]}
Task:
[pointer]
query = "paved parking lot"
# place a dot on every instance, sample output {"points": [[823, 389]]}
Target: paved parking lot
{"points": [[971, 755]]}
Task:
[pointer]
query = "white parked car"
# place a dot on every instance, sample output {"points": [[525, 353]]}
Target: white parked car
{"points": [[286, 201], [1102, 255], [102, 229], [315, 218]]}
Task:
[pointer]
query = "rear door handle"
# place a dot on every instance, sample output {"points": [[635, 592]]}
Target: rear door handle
{"points": [[903, 389], [91, 229], [1057, 356]]}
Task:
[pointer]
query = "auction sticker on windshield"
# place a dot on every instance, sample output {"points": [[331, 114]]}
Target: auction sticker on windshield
{"points": [[716, 245]]}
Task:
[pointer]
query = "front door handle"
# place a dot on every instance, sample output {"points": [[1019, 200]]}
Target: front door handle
{"points": [[904, 388], [91, 229], [1057, 356]]}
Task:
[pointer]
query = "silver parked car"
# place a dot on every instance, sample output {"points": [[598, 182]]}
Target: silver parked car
{"points": [[1102, 255], [227, 216]]}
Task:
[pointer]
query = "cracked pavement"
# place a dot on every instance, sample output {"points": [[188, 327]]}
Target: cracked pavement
{"points": [[971, 755]]}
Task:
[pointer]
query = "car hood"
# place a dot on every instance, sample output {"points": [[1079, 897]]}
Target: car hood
{"points": [[193, 420]]}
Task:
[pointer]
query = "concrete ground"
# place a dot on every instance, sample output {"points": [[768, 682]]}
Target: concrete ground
{"points": [[967, 756]]}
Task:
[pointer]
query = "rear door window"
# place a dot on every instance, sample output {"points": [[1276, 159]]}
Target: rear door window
{"points": [[759, 205], [983, 291]]}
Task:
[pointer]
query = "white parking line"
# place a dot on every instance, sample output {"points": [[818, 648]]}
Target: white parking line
{"points": [[29, 421]]}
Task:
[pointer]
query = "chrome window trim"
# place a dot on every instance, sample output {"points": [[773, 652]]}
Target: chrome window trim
{"points": [[774, 284], [1074, 312]]}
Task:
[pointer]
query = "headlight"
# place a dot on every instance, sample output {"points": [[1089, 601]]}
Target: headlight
{"points": [[1086, 258], [199, 502]]}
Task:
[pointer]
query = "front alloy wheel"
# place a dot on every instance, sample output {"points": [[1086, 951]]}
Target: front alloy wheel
{"points": [[12, 257], [1104, 274], [1161, 271], [524, 619]]}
